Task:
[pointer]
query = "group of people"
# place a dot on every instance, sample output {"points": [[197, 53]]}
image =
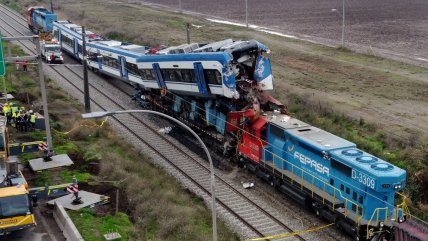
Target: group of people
{"points": [[23, 120], [23, 63]]}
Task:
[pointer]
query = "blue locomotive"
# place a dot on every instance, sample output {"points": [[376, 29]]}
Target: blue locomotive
{"points": [[219, 88], [40, 19], [330, 175]]}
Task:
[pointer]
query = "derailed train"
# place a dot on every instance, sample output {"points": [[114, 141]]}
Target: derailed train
{"points": [[220, 89]]}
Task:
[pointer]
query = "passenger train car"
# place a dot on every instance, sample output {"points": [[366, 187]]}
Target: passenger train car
{"points": [[223, 68], [220, 90]]}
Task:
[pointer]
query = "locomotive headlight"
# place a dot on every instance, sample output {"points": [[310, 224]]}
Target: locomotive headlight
{"points": [[381, 224], [397, 186]]}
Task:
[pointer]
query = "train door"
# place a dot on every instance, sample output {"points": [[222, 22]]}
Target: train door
{"points": [[76, 47], [159, 77], [123, 70], [200, 79]]}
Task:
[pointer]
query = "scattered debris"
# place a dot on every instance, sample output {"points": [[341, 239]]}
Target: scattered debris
{"points": [[112, 236], [247, 185], [165, 130]]}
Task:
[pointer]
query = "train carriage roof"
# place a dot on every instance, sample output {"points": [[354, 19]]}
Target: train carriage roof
{"points": [[222, 57]]}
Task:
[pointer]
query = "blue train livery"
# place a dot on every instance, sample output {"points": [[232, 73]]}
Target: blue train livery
{"points": [[340, 182], [40, 19]]}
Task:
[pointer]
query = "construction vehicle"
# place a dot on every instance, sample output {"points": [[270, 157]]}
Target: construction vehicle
{"points": [[16, 206]]}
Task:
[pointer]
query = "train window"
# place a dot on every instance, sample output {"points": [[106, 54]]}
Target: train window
{"points": [[132, 68], [354, 207], [354, 196], [188, 75], [263, 134], [212, 76], [331, 181], [361, 199], [56, 34], [277, 131], [342, 187], [80, 48], [111, 62], [172, 75], [179, 75], [93, 57], [66, 40], [147, 74], [341, 167], [348, 191]]}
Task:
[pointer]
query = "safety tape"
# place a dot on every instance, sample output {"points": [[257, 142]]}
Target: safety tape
{"points": [[74, 128], [23, 145], [291, 234]]}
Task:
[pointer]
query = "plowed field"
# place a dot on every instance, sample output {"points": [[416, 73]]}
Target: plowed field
{"points": [[393, 25]]}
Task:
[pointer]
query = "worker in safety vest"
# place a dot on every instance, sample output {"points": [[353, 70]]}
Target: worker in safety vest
{"points": [[13, 107], [33, 118], [25, 118], [7, 112]]}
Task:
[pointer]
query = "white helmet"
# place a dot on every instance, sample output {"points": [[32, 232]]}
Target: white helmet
{"points": [[31, 111]]}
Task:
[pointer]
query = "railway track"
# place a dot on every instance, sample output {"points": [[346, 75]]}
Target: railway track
{"points": [[250, 214]]}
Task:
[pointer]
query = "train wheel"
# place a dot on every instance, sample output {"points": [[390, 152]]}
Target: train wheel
{"points": [[338, 224], [273, 182]]}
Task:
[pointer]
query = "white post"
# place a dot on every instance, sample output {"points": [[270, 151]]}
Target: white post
{"points": [[49, 151], [343, 23], [246, 13]]}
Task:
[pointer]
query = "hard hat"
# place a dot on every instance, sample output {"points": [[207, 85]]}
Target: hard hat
{"points": [[31, 111], [22, 108], [10, 103]]}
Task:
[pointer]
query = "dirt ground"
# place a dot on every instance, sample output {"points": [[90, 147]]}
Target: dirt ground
{"points": [[401, 26]]}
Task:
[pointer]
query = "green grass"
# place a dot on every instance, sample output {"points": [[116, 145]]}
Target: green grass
{"points": [[43, 178], [93, 228], [67, 176]]}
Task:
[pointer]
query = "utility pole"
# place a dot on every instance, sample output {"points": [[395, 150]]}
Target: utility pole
{"points": [[246, 13], [38, 58], [52, 8], [188, 32], [49, 151], [343, 23], [179, 6], [85, 74]]}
